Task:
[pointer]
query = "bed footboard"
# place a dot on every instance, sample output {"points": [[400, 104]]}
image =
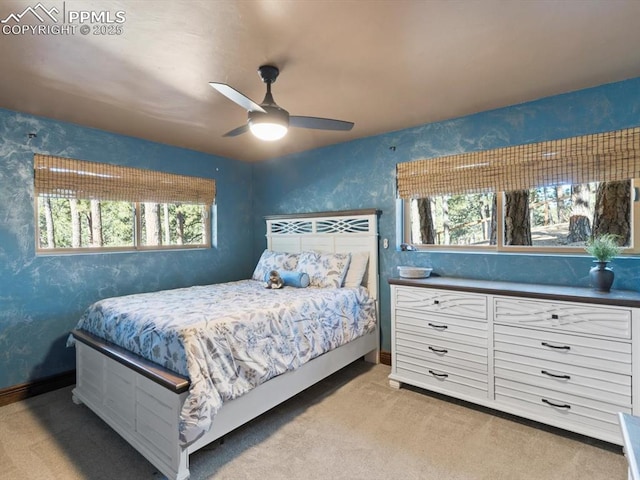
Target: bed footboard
{"points": [[143, 412]]}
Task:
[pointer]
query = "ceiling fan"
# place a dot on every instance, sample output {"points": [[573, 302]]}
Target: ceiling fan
{"points": [[267, 120]]}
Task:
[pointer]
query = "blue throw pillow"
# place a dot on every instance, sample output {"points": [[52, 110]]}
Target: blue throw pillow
{"points": [[293, 279]]}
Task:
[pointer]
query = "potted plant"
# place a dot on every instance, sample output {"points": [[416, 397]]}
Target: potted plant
{"points": [[603, 248]]}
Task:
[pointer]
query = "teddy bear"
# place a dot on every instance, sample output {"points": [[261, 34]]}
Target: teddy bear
{"points": [[275, 280]]}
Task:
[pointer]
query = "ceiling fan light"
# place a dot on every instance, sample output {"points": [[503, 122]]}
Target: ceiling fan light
{"points": [[268, 131], [271, 125]]}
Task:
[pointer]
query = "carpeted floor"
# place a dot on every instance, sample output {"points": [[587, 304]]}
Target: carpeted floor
{"points": [[350, 426]]}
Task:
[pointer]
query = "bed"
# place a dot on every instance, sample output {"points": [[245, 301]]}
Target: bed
{"points": [[162, 404]]}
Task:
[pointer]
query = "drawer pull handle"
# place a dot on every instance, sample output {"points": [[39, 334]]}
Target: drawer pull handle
{"points": [[557, 347], [438, 350], [436, 302], [438, 327], [554, 316], [439, 375], [548, 402], [566, 377]]}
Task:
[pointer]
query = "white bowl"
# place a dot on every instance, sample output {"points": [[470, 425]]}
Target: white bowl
{"points": [[414, 272]]}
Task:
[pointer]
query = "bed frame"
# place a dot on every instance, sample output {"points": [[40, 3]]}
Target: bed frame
{"points": [[142, 401]]}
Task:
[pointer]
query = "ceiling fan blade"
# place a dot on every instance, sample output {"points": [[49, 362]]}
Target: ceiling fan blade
{"points": [[319, 123], [237, 97], [237, 131]]}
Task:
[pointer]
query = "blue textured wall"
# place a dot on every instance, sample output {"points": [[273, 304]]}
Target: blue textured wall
{"points": [[41, 298], [361, 174]]}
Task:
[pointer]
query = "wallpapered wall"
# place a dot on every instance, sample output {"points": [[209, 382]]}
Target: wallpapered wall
{"points": [[361, 174], [42, 297]]}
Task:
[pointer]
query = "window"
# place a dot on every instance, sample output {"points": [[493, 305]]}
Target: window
{"points": [[522, 198], [561, 217], [453, 220], [173, 224], [87, 206], [70, 223], [568, 215]]}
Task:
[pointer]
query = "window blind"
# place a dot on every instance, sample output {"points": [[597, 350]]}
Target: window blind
{"points": [[69, 178], [601, 157]]}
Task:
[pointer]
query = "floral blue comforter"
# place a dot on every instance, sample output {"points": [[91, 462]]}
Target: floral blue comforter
{"points": [[228, 338]]}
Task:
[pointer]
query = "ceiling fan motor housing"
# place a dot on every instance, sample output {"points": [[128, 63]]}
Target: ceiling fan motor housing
{"points": [[274, 114]]}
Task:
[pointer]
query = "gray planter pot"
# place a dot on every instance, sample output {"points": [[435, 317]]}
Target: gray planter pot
{"points": [[601, 276]]}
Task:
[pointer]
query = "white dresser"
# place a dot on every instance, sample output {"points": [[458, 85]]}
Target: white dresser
{"points": [[557, 355]]}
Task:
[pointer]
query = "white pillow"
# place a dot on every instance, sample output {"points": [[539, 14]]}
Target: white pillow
{"points": [[325, 270], [270, 260], [357, 269]]}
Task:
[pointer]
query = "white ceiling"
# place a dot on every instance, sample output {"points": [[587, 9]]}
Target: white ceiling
{"points": [[385, 65]]}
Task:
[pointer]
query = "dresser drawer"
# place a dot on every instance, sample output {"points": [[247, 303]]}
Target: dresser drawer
{"points": [[440, 377], [560, 348], [565, 317], [441, 350], [438, 327], [563, 407], [561, 377], [442, 302]]}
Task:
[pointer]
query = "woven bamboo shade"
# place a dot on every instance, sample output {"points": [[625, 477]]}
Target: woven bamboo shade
{"points": [[67, 178], [601, 157]]}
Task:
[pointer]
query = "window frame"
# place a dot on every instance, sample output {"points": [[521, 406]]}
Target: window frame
{"points": [[137, 229], [404, 219]]}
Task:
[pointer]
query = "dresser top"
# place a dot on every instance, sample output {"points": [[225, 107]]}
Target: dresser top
{"points": [[623, 298]]}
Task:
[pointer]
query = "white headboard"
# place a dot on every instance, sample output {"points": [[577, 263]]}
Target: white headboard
{"points": [[337, 232]]}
